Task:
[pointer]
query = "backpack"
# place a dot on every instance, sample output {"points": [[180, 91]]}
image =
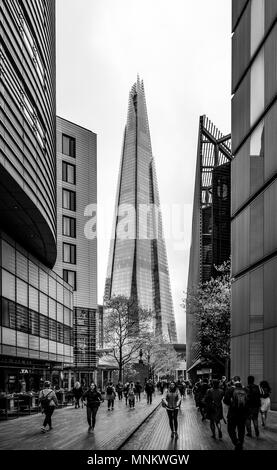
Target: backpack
{"points": [[45, 401], [239, 399], [110, 390]]}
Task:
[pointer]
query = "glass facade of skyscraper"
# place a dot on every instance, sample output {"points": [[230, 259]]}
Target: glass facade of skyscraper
{"points": [[137, 265]]}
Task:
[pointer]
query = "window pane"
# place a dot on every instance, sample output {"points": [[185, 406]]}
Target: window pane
{"points": [[43, 304], [257, 88], [69, 200], [21, 292], [71, 174], [68, 145], [8, 256], [33, 298], [21, 266], [66, 253], [52, 330], [34, 323], [8, 285], [257, 23], [22, 322], [43, 326]]}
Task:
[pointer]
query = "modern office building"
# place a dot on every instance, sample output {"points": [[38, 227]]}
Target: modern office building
{"points": [[211, 227], [254, 191], [77, 237], [137, 266], [36, 304]]}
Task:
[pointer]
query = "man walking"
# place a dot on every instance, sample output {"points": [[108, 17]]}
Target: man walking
{"points": [[149, 389], [253, 406], [236, 399]]}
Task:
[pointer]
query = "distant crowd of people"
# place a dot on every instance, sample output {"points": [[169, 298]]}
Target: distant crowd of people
{"points": [[242, 404]]}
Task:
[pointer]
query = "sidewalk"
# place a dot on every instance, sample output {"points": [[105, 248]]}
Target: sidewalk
{"points": [[195, 434], [70, 428]]}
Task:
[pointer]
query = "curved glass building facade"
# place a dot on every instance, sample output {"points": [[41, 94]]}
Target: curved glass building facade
{"points": [[28, 125]]}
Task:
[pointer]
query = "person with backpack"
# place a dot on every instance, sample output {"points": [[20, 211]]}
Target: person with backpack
{"points": [[265, 391], [92, 400], [253, 406], [213, 401], [172, 403], [149, 389], [131, 395], [236, 399], [204, 386], [48, 402], [110, 395]]}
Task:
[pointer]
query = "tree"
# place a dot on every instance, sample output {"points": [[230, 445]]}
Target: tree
{"points": [[210, 303], [162, 357], [127, 329]]}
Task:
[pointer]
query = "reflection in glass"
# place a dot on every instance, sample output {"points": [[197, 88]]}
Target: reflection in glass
{"points": [[257, 23], [257, 96]]}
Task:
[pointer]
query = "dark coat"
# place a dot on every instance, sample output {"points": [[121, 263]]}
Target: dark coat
{"points": [[213, 402]]}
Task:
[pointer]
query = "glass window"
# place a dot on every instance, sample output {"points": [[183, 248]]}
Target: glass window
{"points": [[59, 313], [43, 281], [43, 304], [257, 141], [43, 326], [8, 316], [69, 200], [69, 173], [21, 292], [257, 97], [69, 226], [52, 287], [70, 277], [22, 319], [59, 333], [69, 253], [257, 23], [8, 256], [21, 266], [8, 285], [33, 298], [67, 332], [68, 146], [34, 323], [52, 330], [33, 274], [52, 308]]}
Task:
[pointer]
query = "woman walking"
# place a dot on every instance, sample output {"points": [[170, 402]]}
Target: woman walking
{"points": [[172, 402], [131, 396], [265, 391], [92, 399], [48, 402], [213, 401]]}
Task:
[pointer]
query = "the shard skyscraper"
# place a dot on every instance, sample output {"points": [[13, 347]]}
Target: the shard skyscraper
{"points": [[137, 266]]}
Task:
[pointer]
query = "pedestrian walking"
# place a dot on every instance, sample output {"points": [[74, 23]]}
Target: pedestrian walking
{"points": [[204, 386], [236, 399], [125, 392], [119, 390], [213, 401], [149, 389], [48, 402], [253, 406], [138, 389], [92, 400], [172, 402], [131, 395], [265, 391], [77, 393], [110, 395]]}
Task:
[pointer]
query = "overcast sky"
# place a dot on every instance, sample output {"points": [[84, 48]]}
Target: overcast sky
{"points": [[182, 51]]}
